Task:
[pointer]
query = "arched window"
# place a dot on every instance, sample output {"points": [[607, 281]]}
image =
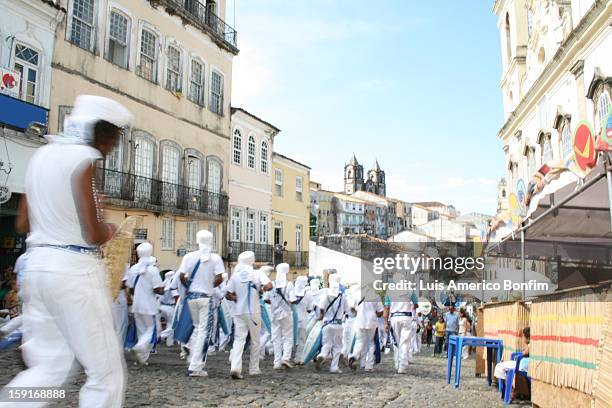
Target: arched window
{"points": [[546, 148], [531, 162], [214, 176], [194, 172], [251, 152], [237, 148], [170, 164], [264, 157], [566, 139], [508, 39], [26, 62], [602, 107], [144, 165]]}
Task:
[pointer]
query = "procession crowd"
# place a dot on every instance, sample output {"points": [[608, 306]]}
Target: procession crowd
{"points": [[68, 316]]}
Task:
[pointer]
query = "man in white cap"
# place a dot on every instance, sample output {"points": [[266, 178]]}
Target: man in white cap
{"points": [[144, 282], [369, 309], [167, 306], [67, 312], [243, 289], [280, 300], [200, 272], [303, 304], [332, 307]]}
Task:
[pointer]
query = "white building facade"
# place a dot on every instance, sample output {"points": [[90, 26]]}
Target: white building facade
{"points": [[250, 185], [556, 74], [27, 32]]}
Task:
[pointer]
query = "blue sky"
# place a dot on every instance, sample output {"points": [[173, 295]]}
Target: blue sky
{"points": [[414, 84]]}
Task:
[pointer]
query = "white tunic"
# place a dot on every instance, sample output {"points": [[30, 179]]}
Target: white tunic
{"points": [[241, 286], [145, 301], [204, 280]]}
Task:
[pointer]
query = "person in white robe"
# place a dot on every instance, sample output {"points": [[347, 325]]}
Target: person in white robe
{"points": [[280, 300]]}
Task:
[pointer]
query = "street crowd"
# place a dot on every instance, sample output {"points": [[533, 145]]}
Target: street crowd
{"points": [[58, 305]]}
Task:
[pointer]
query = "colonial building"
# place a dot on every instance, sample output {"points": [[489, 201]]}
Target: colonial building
{"points": [[290, 210], [354, 178], [250, 185], [170, 63], [348, 214], [556, 73], [27, 33], [321, 210]]}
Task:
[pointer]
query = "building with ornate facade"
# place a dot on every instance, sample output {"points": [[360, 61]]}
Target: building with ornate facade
{"points": [[556, 73], [170, 63]]}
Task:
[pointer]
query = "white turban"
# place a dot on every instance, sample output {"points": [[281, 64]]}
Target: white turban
{"points": [[87, 111]]}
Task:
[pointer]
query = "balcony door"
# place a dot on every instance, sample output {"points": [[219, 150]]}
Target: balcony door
{"points": [[194, 182], [170, 175], [213, 185], [112, 173], [144, 156]]}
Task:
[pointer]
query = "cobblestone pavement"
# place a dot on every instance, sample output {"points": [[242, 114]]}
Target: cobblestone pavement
{"points": [[164, 384]]}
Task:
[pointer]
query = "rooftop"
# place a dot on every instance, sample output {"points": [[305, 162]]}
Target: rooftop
{"points": [[235, 109], [275, 154]]}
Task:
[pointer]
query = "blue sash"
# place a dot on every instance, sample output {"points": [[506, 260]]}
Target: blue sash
{"points": [[131, 337], [184, 327], [13, 338], [377, 353]]}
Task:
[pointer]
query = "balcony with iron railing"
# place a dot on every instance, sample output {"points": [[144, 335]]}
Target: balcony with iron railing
{"points": [[263, 252], [295, 259], [130, 190], [203, 17]]}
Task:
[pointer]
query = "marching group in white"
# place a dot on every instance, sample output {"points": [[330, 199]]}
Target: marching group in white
{"points": [[297, 322], [68, 316]]}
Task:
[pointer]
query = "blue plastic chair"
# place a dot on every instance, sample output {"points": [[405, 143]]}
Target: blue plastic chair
{"points": [[505, 385]]}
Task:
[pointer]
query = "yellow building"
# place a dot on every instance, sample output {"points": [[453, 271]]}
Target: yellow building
{"points": [[291, 212], [170, 63]]}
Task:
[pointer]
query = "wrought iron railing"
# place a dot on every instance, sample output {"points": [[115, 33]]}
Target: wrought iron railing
{"points": [[145, 192], [296, 259], [197, 10], [263, 252]]}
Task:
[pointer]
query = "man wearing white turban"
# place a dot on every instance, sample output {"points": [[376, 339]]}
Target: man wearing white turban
{"points": [[243, 289], [145, 282], [281, 299], [67, 308]]}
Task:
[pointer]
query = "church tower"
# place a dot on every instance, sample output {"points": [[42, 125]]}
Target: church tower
{"points": [[353, 176], [376, 180]]}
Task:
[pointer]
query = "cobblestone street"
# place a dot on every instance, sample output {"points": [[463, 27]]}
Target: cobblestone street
{"points": [[164, 384]]}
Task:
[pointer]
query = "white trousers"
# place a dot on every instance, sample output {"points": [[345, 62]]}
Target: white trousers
{"points": [[364, 345], [145, 328], [167, 312], [331, 344], [347, 330], [404, 331], [302, 337], [68, 318], [246, 325], [121, 321], [264, 342], [202, 311], [282, 339]]}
